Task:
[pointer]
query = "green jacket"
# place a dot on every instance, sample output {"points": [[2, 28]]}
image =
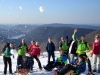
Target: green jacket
{"points": [[22, 49], [62, 59], [82, 45], [63, 46]]}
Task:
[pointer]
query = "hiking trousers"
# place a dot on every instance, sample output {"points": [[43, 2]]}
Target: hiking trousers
{"points": [[65, 69], [7, 60], [19, 58], [71, 57], [52, 65], [96, 61], [37, 59], [49, 56]]}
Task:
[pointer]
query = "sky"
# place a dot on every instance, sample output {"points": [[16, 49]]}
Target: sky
{"points": [[49, 11]]}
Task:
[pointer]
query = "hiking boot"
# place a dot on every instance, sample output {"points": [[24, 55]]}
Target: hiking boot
{"points": [[98, 71], [31, 71], [94, 70], [40, 69]]}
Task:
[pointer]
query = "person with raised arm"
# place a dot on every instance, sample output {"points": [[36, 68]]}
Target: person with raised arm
{"points": [[82, 48]]}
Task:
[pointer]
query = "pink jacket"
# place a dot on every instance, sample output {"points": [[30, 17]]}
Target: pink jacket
{"points": [[36, 50]]}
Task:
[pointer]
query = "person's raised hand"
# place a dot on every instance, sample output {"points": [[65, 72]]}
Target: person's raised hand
{"points": [[75, 30]]}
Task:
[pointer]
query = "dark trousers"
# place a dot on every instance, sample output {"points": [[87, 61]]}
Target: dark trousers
{"points": [[65, 69], [88, 61], [49, 56], [31, 62], [52, 65], [37, 59], [19, 58], [7, 60]]}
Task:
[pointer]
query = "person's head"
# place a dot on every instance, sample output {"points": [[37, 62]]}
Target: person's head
{"points": [[23, 41], [80, 58], [11, 45], [49, 39], [97, 37], [83, 37], [61, 53], [33, 42], [37, 44], [24, 58], [7, 44], [62, 38]]}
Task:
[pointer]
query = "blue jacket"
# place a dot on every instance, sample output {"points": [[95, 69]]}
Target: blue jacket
{"points": [[50, 48], [80, 66], [7, 52], [62, 59]]}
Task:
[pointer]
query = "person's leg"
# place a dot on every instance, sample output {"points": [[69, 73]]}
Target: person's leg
{"points": [[19, 58], [98, 63], [5, 64], [10, 65], [39, 63], [56, 64], [53, 57], [89, 66], [49, 66], [65, 69], [32, 62], [49, 55], [89, 63], [71, 57], [94, 62]]}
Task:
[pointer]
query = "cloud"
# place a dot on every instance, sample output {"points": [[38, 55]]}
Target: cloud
{"points": [[20, 8], [41, 8]]}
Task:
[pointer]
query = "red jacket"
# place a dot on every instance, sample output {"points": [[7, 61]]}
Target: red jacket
{"points": [[96, 48], [30, 47], [36, 50]]}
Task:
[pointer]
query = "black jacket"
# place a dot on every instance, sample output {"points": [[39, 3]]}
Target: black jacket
{"points": [[50, 48], [74, 47]]}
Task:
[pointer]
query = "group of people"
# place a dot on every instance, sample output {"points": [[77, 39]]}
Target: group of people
{"points": [[76, 52], [23, 61], [72, 55]]}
